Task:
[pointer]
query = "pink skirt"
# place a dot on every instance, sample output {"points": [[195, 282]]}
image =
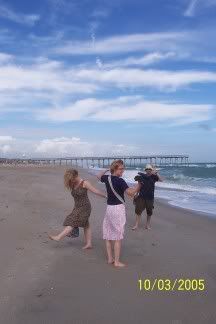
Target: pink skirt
{"points": [[114, 222]]}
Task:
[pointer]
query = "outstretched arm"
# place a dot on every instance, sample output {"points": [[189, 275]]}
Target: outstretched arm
{"points": [[99, 175], [133, 190], [160, 179], [91, 188]]}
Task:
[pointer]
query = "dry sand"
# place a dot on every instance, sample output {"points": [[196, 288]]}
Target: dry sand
{"points": [[48, 282]]}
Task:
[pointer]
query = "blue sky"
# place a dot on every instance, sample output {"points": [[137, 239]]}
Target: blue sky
{"points": [[108, 77]]}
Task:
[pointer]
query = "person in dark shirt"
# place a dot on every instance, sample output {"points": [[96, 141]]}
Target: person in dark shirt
{"points": [[115, 217], [145, 198]]}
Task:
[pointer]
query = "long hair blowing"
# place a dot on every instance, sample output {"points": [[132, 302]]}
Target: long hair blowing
{"points": [[69, 177]]}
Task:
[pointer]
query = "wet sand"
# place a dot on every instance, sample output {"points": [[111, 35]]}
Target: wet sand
{"points": [[47, 282]]}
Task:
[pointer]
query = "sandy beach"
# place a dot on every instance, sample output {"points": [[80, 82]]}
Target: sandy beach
{"points": [[47, 282]]}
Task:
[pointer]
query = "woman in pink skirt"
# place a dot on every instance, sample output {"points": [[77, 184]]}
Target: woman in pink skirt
{"points": [[115, 217]]}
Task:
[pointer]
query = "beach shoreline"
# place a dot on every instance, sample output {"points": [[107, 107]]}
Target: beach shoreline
{"points": [[48, 282], [168, 201]]}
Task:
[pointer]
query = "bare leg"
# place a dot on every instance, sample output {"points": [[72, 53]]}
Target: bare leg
{"points": [[88, 238], [117, 250], [148, 222], [138, 217], [61, 235], [109, 252]]}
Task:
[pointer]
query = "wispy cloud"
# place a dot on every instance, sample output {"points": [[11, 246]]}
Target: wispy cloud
{"points": [[132, 108], [45, 76], [61, 146], [75, 146], [92, 28], [137, 78], [10, 14], [5, 58], [145, 60], [190, 11], [64, 146], [5, 144], [6, 37], [58, 7], [123, 44], [5, 138], [49, 83], [100, 13], [196, 5]]}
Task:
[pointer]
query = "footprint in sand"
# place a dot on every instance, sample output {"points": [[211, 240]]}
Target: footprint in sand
{"points": [[20, 248], [39, 295], [2, 219]]}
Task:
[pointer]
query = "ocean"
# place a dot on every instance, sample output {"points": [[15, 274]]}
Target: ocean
{"points": [[192, 187]]}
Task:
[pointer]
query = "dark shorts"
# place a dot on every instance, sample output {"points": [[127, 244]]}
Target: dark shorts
{"points": [[141, 204]]}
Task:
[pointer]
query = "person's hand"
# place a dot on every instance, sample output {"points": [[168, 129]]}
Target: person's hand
{"points": [[137, 178]]}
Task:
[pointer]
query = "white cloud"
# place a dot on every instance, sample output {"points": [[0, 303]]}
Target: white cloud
{"points": [[62, 146], [148, 59], [5, 138], [74, 146], [124, 44], [5, 36], [5, 144], [195, 5], [10, 14], [186, 45], [92, 28], [100, 13], [191, 8], [42, 76], [99, 63], [48, 83], [133, 108], [5, 58], [5, 148], [136, 78]]}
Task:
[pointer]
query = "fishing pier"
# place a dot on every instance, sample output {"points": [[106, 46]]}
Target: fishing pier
{"points": [[105, 161]]}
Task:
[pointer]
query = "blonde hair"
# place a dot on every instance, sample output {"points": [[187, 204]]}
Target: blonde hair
{"points": [[115, 165], [69, 177]]}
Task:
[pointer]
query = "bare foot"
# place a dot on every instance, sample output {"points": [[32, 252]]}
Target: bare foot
{"points": [[134, 228], [119, 265], [147, 227], [87, 247], [54, 238], [110, 261]]}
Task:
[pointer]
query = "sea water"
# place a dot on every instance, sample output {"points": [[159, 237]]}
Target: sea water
{"points": [[192, 187]]}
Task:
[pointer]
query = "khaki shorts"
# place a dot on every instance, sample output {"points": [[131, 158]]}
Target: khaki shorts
{"points": [[141, 204]]}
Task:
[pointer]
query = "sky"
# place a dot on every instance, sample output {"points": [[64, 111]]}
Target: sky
{"points": [[99, 77]]}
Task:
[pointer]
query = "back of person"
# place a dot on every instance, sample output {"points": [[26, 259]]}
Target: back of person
{"points": [[147, 185], [80, 195]]}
